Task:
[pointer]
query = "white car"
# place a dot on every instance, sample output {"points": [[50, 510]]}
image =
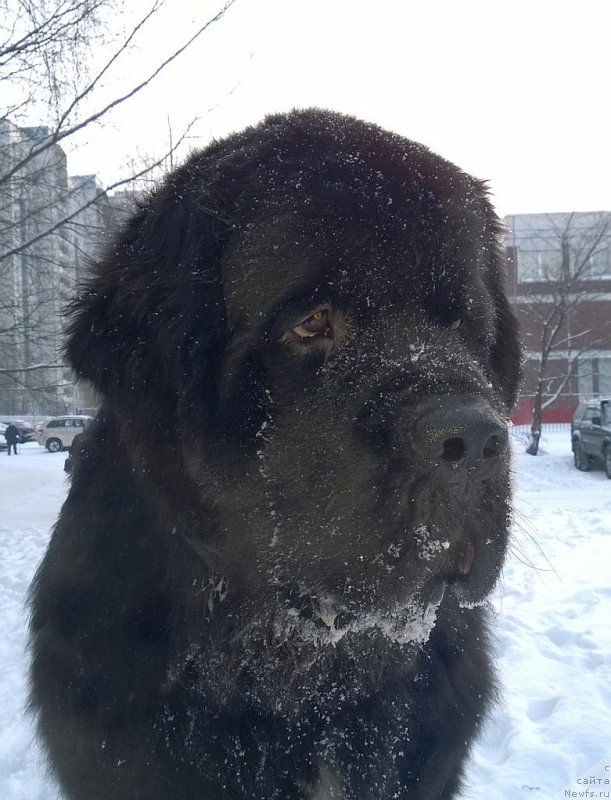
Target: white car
{"points": [[58, 433]]}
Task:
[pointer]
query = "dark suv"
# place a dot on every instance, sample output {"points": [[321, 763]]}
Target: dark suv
{"points": [[591, 434]]}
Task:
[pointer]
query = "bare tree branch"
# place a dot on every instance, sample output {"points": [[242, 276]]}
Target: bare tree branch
{"points": [[48, 221], [60, 133], [134, 176]]}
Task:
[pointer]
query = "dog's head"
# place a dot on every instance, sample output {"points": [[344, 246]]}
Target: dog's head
{"points": [[307, 320]]}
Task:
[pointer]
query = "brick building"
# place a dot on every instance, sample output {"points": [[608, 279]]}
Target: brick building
{"points": [[560, 284]]}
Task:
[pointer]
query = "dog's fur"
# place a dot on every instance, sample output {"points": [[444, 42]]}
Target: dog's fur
{"points": [[242, 598]]}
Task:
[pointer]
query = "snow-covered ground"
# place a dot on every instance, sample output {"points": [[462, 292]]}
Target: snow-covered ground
{"points": [[551, 733]]}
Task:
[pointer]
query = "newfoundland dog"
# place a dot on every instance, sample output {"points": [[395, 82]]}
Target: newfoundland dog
{"points": [[269, 578]]}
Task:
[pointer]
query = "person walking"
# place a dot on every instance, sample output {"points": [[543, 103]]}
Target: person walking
{"points": [[11, 434]]}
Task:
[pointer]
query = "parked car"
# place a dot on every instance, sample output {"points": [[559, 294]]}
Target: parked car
{"points": [[26, 431], [3, 444], [40, 424], [591, 434], [58, 433]]}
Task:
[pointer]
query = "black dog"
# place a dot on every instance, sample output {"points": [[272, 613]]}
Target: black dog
{"points": [[269, 577]]}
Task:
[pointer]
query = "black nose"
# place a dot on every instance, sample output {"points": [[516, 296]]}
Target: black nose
{"points": [[459, 436]]}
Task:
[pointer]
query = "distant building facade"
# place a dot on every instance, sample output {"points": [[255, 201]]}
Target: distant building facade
{"points": [[51, 224], [34, 255], [560, 284]]}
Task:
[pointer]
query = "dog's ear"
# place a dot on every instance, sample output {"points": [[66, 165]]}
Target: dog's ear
{"points": [[150, 321]]}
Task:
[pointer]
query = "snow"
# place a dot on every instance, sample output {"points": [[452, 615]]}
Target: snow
{"points": [[553, 636], [550, 735], [32, 488]]}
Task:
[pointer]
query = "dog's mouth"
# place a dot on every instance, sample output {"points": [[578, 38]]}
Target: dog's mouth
{"points": [[322, 612], [320, 616]]}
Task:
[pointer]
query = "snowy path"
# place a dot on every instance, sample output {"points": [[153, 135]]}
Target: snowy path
{"points": [[553, 637], [553, 634], [32, 489]]}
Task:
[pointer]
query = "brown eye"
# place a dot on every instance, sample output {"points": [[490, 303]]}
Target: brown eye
{"points": [[314, 325]]}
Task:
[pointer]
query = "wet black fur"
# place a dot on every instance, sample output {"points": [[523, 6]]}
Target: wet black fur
{"points": [[234, 482]]}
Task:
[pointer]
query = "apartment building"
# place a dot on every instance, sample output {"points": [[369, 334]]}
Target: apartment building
{"points": [[50, 223]]}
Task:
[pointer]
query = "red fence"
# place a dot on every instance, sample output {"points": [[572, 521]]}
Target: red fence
{"points": [[523, 414]]}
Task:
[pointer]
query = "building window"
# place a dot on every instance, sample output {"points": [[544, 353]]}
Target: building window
{"points": [[594, 376], [604, 376], [538, 265], [599, 264]]}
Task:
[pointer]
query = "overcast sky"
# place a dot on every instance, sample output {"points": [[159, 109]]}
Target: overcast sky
{"points": [[513, 92]]}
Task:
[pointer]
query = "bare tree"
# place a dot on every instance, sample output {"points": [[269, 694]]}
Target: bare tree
{"points": [[50, 222], [565, 271]]}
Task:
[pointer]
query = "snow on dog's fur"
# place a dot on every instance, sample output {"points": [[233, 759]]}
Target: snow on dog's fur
{"points": [[269, 577]]}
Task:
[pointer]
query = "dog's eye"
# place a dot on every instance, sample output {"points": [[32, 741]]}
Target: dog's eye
{"points": [[316, 324], [456, 324]]}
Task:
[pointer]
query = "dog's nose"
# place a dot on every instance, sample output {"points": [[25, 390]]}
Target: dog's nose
{"points": [[460, 436]]}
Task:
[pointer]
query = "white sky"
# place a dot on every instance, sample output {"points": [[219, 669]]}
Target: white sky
{"points": [[513, 92]]}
